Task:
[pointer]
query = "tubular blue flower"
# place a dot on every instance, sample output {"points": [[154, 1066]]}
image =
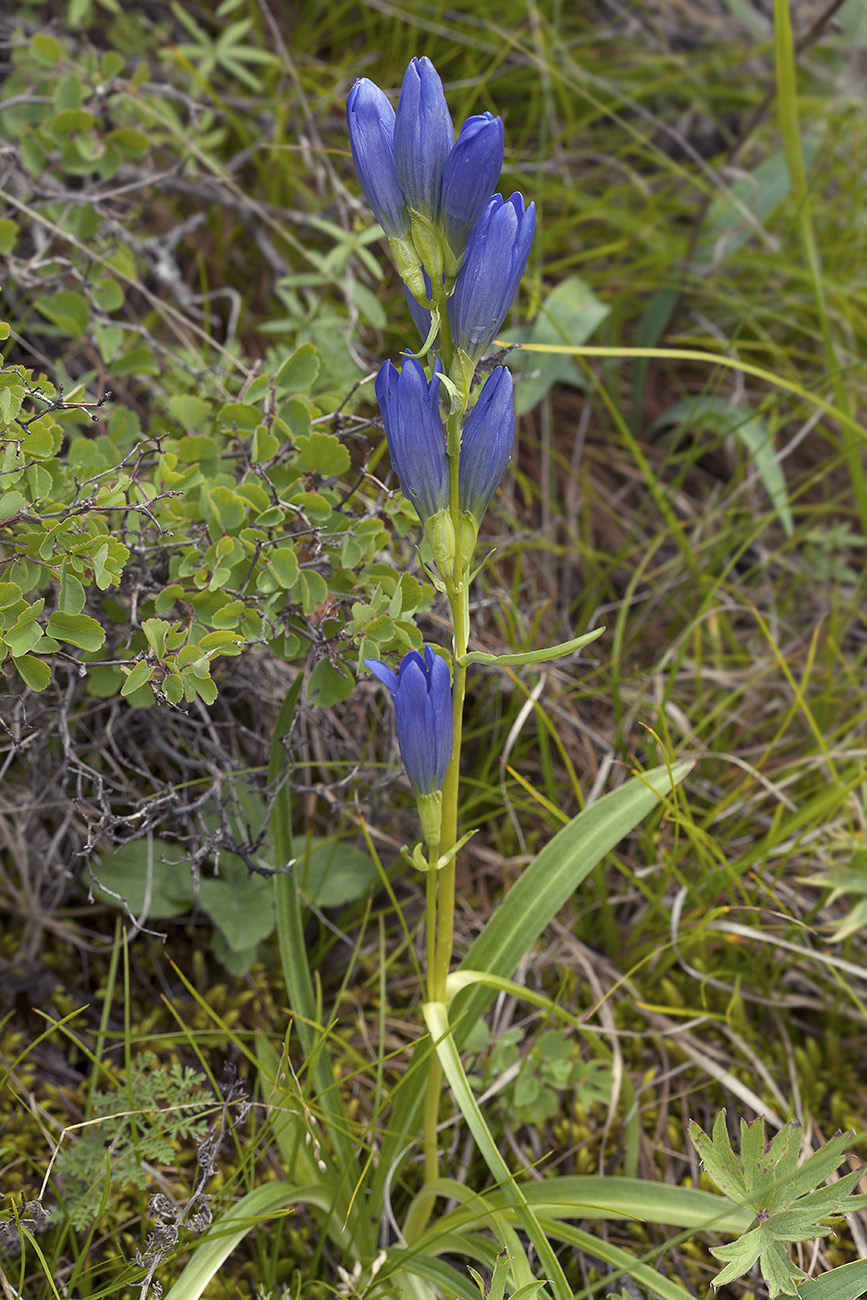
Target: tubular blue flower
{"points": [[423, 138], [471, 173], [422, 695], [371, 121], [486, 444], [416, 438], [494, 262]]}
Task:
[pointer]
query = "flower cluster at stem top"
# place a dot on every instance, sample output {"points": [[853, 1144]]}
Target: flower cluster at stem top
{"points": [[461, 250]]}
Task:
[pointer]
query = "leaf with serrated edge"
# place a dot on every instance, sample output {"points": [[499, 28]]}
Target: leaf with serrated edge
{"points": [[820, 1165], [719, 1159]]}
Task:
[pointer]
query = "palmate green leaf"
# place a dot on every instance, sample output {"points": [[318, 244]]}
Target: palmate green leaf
{"points": [[820, 1165], [781, 1275], [719, 1159], [825, 1203], [764, 1180]]}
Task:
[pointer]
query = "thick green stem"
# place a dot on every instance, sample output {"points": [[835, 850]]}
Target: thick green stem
{"points": [[420, 1211], [446, 348], [441, 880]]}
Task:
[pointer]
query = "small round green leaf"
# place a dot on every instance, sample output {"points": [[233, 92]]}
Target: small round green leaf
{"points": [[140, 676], [35, 672], [77, 629]]}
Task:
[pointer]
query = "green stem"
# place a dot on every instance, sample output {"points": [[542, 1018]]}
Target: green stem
{"points": [[431, 917], [446, 347], [446, 900], [441, 880]]}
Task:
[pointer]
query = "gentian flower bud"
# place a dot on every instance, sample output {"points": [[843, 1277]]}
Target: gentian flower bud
{"points": [[486, 444], [416, 438], [494, 262], [422, 695], [470, 177], [371, 118], [423, 138]]}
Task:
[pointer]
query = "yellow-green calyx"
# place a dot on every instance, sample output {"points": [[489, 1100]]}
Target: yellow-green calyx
{"points": [[428, 242], [461, 373], [468, 532], [430, 815], [440, 532], [409, 267]]}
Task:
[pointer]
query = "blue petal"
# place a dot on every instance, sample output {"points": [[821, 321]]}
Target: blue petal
{"points": [[494, 262], [370, 118], [471, 173], [423, 716], [423, 138], [416, 440], [486, 444], [384, 673]]}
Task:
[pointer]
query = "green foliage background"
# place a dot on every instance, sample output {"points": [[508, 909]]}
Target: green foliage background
{"points": [[196, 513]]}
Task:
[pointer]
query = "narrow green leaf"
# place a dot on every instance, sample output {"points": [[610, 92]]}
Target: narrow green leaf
{"points": [[437, 1021], [541, 891], [231, 1229], [719, 415], [848, 1282], [296, 968], [534, 656], [552, 878]]}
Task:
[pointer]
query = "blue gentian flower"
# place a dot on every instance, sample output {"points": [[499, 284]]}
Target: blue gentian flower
{"points": [[422, 695], [371, 120], [416, 439], [423, 138], [493, 264], [486, 444], [471, 173]]}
